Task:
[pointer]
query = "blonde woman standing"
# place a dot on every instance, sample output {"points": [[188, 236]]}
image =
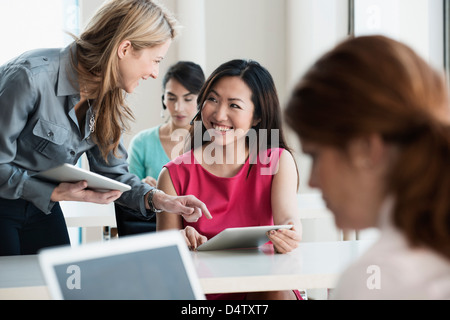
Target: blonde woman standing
{"points": [[56, 104]]}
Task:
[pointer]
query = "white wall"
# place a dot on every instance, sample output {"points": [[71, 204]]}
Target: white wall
{"points": [[418, 23], [312, 28]]}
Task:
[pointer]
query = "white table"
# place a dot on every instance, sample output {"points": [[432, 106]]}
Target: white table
{"points": [[312, 265], [21, 278]]}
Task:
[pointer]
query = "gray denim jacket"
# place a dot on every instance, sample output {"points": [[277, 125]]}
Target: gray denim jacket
{"points": [[39, 130]]}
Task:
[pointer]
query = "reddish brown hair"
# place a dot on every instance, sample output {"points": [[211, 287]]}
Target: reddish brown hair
{"points": [[374, 84]]}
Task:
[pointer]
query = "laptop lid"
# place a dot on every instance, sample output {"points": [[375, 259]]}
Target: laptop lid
{"points": [[154, 266]]}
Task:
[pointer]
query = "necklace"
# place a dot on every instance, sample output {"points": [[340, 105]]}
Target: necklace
{"points": [[92, 119]]}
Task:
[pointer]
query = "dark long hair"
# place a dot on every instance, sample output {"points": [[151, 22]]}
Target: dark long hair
{"points": [[189, 74], [264, 98], [374, 84]]}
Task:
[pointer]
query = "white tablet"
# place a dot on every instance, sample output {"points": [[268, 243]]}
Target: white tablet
{"points": [[246, 237], [71, 173]]}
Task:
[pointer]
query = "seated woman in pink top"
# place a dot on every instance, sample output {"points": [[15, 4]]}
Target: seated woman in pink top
{"points": [[238, 163]]}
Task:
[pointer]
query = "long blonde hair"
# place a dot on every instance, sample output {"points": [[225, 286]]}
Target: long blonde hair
{"points": [[145, 24]]}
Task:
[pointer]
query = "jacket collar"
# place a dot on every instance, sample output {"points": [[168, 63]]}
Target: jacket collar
{"points": [[67, 76]]}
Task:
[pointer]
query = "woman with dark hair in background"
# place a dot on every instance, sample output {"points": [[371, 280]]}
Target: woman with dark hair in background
{"points": [[375, 119], [152, 148]]}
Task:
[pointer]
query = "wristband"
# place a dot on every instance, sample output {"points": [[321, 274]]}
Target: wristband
{"points": [[150, 201]]}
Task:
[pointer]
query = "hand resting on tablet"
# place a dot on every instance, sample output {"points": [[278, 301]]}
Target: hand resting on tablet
{"points": [[284, 240]]}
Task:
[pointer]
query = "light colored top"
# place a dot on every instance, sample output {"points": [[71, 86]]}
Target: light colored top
{"points": [[391, 269], [40, 130], [146, 154]]}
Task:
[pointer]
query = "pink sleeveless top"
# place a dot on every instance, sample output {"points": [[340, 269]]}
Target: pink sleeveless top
{"points": [[240, 201]]}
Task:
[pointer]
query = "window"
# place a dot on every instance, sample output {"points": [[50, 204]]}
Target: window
{"points": [[418, 23], [31, 24]]}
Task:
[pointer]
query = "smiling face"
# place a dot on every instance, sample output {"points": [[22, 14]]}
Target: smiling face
{"points": [[228, 110], [181, 103], [136, 65]]}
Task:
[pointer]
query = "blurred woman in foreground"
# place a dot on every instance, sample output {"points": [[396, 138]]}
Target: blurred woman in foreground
{"points": [[374, 117]]}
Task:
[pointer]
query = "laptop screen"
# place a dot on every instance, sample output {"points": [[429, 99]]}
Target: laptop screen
{"points": [[163, 272], [137, 275]]}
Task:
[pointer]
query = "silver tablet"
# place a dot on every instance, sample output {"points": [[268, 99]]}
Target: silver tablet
{"points": [[71, 173], [246, 237]]}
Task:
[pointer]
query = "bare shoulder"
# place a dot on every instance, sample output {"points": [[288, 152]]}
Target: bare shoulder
{"points": [[287, 165], [165, 182]]}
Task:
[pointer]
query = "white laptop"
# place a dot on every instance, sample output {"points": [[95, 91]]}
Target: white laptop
{"points": [[155, 266], [244, 237], [71, 173]]}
